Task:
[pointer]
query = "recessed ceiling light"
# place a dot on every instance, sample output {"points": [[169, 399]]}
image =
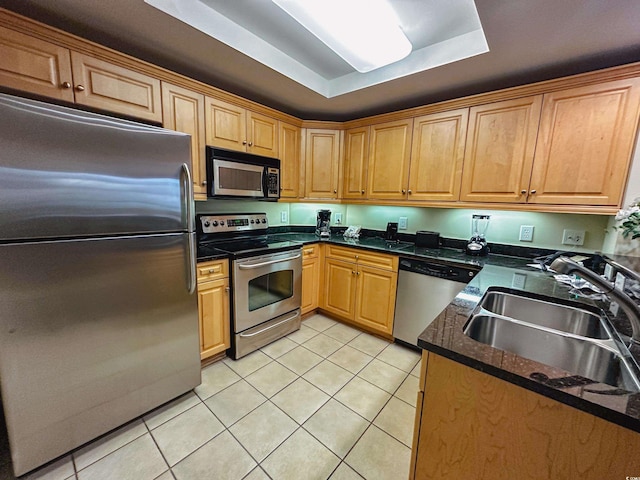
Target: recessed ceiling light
{"points": [[365, 33]]}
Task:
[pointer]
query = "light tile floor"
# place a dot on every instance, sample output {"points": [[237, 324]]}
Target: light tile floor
{"points": [[327, 401]]}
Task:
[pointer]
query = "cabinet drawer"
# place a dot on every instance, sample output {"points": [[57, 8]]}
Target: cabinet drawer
{"points": [[212, 270], [310, 251], [363, 257]]}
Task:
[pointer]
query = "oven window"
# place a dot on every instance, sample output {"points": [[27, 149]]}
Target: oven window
{"points": [[238, 179], [270, 288]]}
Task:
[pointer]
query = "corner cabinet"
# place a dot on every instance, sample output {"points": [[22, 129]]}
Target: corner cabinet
{"points": [[183, 111], [586, 138], [322, 163], [470, 424], [360, 287], [235, 128], [213, 307]]}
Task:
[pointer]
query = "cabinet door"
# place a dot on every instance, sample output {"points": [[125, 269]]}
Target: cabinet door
{"points": [[356, 159], [322, 163], [389, 155], [226, 125], [289, 160], [35, 66], [437, 154], [310, 284], [183, 111], [262, 135], [117, 89], [213, 309], [376, 298], [340, 288], [501, 140], [585, 142]]}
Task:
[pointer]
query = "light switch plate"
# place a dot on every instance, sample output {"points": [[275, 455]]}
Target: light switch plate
{"points": [[284, 216], [573, 237]]}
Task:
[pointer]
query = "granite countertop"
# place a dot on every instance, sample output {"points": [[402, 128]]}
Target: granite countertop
{"points": [[445, 337]]}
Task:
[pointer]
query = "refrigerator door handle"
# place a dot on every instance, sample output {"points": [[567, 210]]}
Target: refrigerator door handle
{"points": [[191, 262], [185, 176]]}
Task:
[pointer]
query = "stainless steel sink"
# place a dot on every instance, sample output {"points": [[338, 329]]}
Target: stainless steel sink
{"points": [[579, 356], [544, 313], [564, 336]]}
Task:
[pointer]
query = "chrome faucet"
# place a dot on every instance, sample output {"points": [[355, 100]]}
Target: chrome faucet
{"points": [[565, 265]]}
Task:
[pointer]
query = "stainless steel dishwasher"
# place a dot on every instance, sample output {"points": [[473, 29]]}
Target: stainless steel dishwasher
{"points": [[425, 288]]}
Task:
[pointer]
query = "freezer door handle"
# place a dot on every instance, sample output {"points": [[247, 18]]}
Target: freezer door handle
{"points": [[185, 176]]}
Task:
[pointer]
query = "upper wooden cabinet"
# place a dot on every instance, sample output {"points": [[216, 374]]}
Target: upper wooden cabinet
{"points": [[501, 141], [322, 163], [389, 155], [103, 85], [356, 161], [233, 127], [39, 67], [437, 154], [35, 66], [183, 111], [585, 143], [289, 160]]}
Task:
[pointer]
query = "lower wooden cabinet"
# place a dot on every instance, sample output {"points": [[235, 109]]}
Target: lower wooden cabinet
{"points": [[213, 307], [310, 278], [359, 293], [472, 425]]}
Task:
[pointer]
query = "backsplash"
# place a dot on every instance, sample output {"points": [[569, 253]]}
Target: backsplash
{"points": [[450, 222]]}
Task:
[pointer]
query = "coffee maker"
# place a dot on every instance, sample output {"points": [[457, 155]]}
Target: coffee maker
{"points": [[323, 220], [478, 243]]}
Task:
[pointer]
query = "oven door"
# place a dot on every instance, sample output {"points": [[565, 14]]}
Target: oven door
{"points": [[266, 287], [237, 179]]}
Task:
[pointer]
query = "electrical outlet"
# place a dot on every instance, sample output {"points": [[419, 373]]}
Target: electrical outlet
{"points": [[402, 223], [526, 233], [284, 217], [519, 280], [573, 237], [338, 218]]}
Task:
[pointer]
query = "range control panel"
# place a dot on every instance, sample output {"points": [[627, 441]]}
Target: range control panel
{"points": [[234, 222]]}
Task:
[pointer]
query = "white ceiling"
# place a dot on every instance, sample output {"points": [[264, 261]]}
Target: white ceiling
{"points": [[529, 40], [440, 32]]}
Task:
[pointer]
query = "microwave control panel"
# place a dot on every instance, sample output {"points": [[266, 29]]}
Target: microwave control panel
{"points": [[273, 183]]}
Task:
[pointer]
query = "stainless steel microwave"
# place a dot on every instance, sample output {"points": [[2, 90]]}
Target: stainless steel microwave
{"points": [[233, 174]]}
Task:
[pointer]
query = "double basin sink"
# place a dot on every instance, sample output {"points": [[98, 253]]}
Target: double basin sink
{"points": [[565, 336]]}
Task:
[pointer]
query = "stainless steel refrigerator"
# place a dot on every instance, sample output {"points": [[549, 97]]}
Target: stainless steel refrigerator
{"points": [[98, 316]]}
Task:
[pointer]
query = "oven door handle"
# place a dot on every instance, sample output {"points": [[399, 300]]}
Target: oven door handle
{"points": [[270, 262], [270, 326]]}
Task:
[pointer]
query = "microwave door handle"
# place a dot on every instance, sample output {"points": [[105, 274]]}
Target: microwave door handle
{"points": [[270, 262]]}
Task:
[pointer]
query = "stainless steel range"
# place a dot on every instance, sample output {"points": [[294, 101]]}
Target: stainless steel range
{"points": [[266, 277]]}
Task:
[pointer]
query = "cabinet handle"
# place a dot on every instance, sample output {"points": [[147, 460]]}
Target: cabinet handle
{"points": [[362, 192], [404, 191], [251, 144], [65, 85], [227, 289], [523, 192], [244, 142], [357, 273], [532, 192], [352, 272], [409, 192], [80, 88], [204, 183], [335, 191]]}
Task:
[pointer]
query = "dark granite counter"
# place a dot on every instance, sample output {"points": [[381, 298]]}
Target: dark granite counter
{"points": [[445, 337]]}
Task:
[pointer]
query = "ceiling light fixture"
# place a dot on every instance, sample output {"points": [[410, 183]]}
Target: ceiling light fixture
{"points": [[365, 33]]}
